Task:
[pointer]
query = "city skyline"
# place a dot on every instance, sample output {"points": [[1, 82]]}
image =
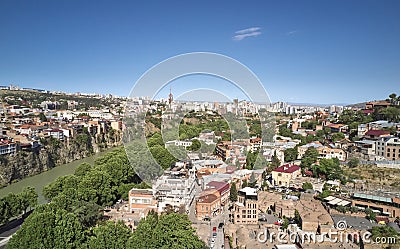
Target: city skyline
{"points": [[305, 52]]}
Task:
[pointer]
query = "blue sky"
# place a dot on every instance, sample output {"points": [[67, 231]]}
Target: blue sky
{"points": [[302, 51]]}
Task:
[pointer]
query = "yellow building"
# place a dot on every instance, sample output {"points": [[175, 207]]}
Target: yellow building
{"points": [[282, 175]]}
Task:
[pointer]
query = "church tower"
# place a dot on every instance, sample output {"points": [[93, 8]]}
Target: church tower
{"points": [[170, 97]]}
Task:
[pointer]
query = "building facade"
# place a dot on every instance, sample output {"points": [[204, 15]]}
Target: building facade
{"points": [[208, 204], [141, 201], [388, 147], [283, 175], [246, 208]]}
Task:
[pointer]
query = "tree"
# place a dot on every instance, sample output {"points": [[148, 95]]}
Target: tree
{"points": [[297, 217], [353, 162], [285, 223], [166, 231], [97, 187], [290, 154], [275, 162], [260, 163], [329, 168], [284, 131], [309, 157], [196, 145], [83, 169], [162, 156], [108, 235], [370, 214], [155, 139], [62, 183], [391, 114], [42, 117], [48, 228], [28, 198], [337, 136], [393, 97], [233, 196], [307, 185], [384, 232], [252, 180]]}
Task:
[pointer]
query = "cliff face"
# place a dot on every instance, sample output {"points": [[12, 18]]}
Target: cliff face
{"points": [[52, 153]]}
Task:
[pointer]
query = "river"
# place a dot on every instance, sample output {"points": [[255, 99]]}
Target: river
{"points": [[42, 179]]}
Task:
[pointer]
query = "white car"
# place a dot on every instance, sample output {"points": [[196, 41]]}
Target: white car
{"points": [[212, 244]]}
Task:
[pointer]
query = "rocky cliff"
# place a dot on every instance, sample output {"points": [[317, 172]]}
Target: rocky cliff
{"points": [[53, 153]]}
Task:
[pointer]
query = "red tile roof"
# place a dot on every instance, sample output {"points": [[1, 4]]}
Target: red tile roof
{"points": [[377, 133], [287, 168], [208, 198], [367, 111], [220, 186]]}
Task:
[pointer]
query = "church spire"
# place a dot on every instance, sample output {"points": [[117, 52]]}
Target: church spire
{"points": [[170, 96]]}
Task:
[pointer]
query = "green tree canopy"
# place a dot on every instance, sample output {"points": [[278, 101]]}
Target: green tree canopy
{"points": [[108, 235], [196, 145], [290, 154], [233, 196], [166, 231], [309, 157]]}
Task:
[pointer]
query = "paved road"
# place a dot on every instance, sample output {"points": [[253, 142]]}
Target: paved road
{"points": [[221, 218], [6, 231]]}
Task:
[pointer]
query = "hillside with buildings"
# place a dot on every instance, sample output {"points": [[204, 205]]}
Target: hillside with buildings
{"points": [[40, 129]]}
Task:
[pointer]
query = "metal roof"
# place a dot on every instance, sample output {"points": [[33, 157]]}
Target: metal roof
{"points": [[372, 197]]}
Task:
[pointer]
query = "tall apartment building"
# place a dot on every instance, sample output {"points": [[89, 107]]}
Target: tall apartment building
{"points": [[246, 208]]}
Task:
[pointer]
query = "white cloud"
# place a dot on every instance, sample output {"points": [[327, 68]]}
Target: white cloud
{"points": [[249, 30], [292, 32], [242, 36]]}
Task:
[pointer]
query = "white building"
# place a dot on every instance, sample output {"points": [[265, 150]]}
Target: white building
{"points": [[183, 143], [175, 189]]}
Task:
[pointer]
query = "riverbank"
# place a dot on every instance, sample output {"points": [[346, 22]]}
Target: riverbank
{"points": [[40, 180]]}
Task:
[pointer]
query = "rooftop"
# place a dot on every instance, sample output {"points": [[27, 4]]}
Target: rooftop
{"points": [[287, 168], [249, 191]]}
